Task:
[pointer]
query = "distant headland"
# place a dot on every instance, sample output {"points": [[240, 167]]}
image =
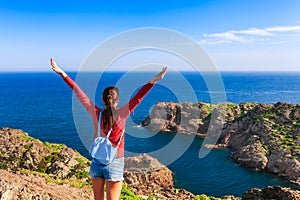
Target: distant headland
{"points": [[261, 136]]}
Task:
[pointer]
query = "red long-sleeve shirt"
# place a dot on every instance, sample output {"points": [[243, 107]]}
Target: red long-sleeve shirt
{"points": [[121, 112]]}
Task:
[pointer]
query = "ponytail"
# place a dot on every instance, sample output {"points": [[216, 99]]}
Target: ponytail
{"points": [[110, 98]]}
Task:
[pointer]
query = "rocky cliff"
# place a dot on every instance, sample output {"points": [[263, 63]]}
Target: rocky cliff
{"points": [[146, 175], [31, 169], [271, 192], [261, 136], [20, 152], [16, 185]]}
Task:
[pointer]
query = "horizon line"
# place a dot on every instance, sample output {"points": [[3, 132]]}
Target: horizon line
{"points": [[151, 71]]}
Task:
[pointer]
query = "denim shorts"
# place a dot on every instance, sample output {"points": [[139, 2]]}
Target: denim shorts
{"points": [[111, 172]]}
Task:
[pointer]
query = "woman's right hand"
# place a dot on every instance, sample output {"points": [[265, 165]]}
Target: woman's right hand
{"points": [[160, 75], [56, 68]]}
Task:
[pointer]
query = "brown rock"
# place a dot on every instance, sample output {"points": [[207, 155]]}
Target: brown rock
{"points": [[145, 175], [285, 166], [20, 151], [251, 156], [261, 136], [271, 192], [15, 186]]}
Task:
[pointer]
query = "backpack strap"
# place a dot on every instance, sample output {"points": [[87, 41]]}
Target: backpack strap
{"points": [[121, 138], [99, 127], [109, 132]]}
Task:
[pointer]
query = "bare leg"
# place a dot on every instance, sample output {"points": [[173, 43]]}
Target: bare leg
{"points": [[113, 190], [98, 188]]}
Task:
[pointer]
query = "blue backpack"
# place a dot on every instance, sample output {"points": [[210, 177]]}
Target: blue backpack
{"points": [[102, 150]]}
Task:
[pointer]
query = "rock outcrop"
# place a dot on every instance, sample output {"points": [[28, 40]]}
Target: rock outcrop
{"points": [[261, 136], [145, 175], [271, 192], [19, 186], [31, 169], [18, 151]]}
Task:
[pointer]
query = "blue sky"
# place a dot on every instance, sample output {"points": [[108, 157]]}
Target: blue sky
{"points": [[238, 35]]}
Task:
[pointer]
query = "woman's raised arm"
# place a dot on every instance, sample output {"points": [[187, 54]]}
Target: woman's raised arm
{"points": [[159, 76], [138, 97], [57, 69], [83, 98]]}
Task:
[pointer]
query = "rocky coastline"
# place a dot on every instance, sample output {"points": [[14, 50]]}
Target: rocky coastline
{"points": [[31, 169], [261, 136]]}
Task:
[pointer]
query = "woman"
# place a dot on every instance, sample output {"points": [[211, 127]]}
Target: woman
{"points": [[111, 118]]}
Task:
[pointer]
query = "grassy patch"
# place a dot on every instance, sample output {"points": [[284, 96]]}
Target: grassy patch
{"points": [[128, 194], [79, 174], [52, 157], [80, 160], [26, 137], [208, 107], [205, 197], [75, 183], [3, 166], [54, 147], [28, 146]]}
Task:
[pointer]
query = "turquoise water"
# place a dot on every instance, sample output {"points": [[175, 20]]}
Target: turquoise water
{"points": [[41, 104]]}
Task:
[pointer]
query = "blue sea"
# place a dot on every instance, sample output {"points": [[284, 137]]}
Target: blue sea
{"points": [[43, 106]]}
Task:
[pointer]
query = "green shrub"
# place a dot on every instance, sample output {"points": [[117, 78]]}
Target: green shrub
{"points": [[128, 194], [80, 160], [28, 146], [52, 157], [54, 147], [290, 143], [205, 197], [26, 137]]}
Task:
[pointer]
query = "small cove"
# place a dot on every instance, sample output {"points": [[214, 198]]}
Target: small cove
{"points": [[214, 175]]}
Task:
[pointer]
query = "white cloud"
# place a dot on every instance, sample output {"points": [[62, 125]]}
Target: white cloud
{"points": [[223, 37], [253, 31], [283, 28], [247, 35]]}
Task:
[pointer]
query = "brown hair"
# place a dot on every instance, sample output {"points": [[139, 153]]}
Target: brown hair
{"points": [[110, 98]]}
